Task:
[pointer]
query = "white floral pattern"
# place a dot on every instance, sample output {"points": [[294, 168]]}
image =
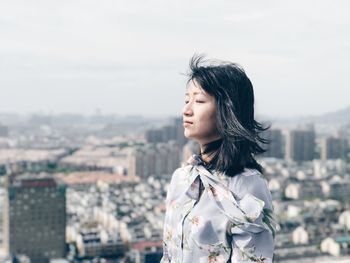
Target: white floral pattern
{"points": [[231, 221]]}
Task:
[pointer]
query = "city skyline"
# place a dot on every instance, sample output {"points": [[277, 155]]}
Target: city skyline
{"points": [[128, 58], [337, 114], [115, 190]]}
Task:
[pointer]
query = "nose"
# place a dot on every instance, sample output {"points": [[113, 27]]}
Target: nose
{"points": [[187, 109]]}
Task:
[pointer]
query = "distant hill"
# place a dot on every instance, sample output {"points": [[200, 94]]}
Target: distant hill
{"points": [[341, 117]]}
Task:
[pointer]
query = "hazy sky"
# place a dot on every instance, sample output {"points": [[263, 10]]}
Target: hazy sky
{"points": [[126, 57]]}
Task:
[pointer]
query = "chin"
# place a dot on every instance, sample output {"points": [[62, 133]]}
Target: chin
{"points": [[188, 135], [191, 137]]}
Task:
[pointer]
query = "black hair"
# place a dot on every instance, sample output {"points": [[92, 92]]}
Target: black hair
{"points": [[239, 132]]}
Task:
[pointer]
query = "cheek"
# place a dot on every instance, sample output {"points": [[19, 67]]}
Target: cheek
{"points": [[212, 122], [208, 119]]}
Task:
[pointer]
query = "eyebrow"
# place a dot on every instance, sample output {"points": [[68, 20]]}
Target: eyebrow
{"points": [[194, 93]]}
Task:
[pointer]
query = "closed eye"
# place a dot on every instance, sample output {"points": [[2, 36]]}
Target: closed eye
{"points": [[198, 101]]}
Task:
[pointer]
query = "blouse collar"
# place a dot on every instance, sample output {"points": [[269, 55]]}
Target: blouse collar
{"points": [[241, 212]]}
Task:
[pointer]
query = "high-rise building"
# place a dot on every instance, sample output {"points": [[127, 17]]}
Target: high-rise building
{"points": [[173, 132], [154, 159], [169, 133], [35, 217], [300, 145], [154, 135], [180, 137], [3, 130], [275, 147], [333, 148]]}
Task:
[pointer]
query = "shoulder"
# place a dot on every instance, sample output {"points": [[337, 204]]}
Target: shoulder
{"points": [[180, 174], [252, 182], [179, 180]]}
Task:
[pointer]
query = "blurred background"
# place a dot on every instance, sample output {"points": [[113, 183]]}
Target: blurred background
{"points": [[91, 127]]}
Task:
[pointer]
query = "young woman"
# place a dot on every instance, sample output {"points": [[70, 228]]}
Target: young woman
{"points": [[218, 205]]}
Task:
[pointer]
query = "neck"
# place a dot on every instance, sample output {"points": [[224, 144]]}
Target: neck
{"points": [[207, 157]]}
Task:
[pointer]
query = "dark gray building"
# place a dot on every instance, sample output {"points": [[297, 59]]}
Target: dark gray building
{"points": [[172, 132], [334, 148], [35, 217], [300, 145], [4, 132], [275, 147]]}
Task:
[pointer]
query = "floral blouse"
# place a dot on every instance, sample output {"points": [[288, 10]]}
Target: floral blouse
{"points": [[231, 220]]}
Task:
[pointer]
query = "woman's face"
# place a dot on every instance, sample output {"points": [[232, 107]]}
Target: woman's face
{"points": [[199, 114]]}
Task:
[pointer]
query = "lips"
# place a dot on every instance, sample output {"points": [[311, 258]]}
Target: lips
{"points": [[188, 122]]}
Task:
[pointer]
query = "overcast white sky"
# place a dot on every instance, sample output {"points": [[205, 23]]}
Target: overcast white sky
{"points": [[126, 57]]}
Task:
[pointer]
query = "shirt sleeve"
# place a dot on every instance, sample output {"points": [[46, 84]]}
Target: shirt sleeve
{"points": [[169, 196], [253, 246]]}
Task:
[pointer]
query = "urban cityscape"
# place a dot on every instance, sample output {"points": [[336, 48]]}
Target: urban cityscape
{"points": [[80, 188], [91, 130]]}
